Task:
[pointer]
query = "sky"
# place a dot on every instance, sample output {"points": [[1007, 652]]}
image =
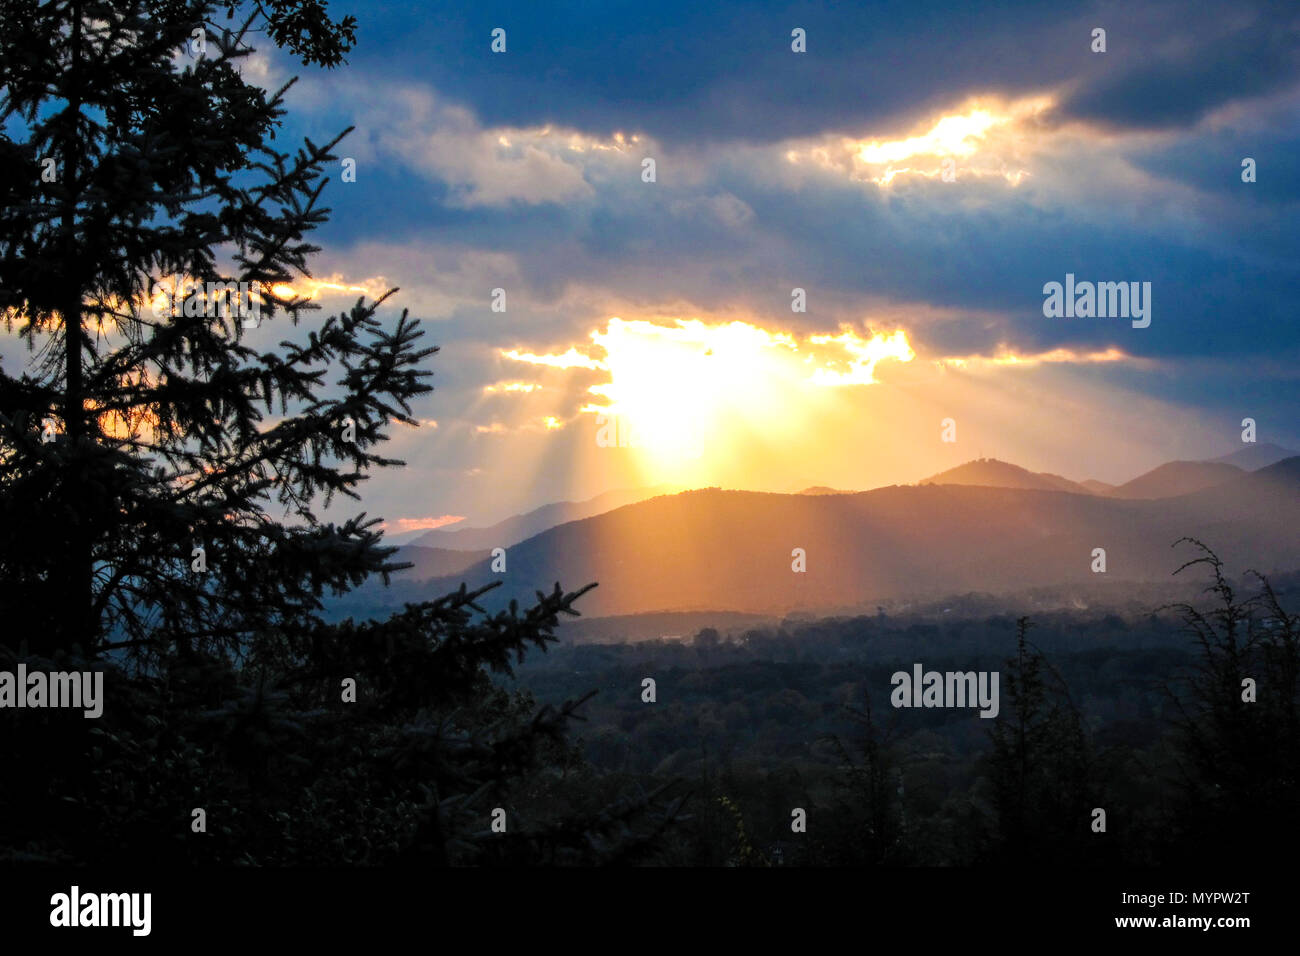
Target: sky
{"points": [[920, 171]]}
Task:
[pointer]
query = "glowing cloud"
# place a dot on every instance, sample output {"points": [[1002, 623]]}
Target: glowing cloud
{"points": [[686, 387], [864, 355], [1059, 356], [305, 288], [988, 135], [512, 387], [951, 136], [402, 525], [570, 359]]}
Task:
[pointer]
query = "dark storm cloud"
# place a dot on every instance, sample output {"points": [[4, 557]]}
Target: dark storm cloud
{"points": [[1174, 78], [686, 71], [731, 227]]}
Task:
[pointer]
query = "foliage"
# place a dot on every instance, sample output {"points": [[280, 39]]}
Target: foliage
{"points": [[161, 471]]}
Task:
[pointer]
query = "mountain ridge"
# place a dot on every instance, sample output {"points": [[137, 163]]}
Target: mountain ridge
{"points": [[520, 527], [733, 550]]}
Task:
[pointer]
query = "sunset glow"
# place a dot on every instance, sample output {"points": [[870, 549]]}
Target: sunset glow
{"points": [[983, 137], [691, 391]]}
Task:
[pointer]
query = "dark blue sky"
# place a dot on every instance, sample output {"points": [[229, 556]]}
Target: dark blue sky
{"points": [[921, 167], [824, 170]]}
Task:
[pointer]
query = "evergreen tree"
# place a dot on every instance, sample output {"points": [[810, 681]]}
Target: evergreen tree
{"points": [[1236, 721], [140, 435], [870, 812], [1043, 791], [146, 450]]}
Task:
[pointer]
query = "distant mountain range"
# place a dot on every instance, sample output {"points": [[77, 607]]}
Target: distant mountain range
{"points": [[1177, 478], [1253, 456], [732, 550], [991, 473], [438, 562], [1167, 480], [520, 527], [1096, 487]]}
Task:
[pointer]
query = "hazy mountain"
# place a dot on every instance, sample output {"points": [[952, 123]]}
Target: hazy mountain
{"points": [[1176, 478], [519, 527], [731, 550], [437, 562], [403, 538], [1062, 484], [823, 490], [1253, 457], [1097, 487], [375, 599], [991, 473]]}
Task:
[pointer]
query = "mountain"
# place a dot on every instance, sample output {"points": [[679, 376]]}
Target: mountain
{"points": [[991, 473], [1097, 487], [1062, 484], [1253, 457], [403, 538], [437, 562], [519, 527], [823, 490], [1176, 478], [375, 599], [731, 550]]}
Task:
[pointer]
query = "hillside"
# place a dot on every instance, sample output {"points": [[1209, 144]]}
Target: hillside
{"points": [[1096, 487], [991, 473], [1253, 457], [437, 562], [520, 527], [1177, 478], [731, 550]]}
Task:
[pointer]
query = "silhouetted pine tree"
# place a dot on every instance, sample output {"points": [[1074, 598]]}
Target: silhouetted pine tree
{"points": [[1239, 747], [868, 817], [141, 160], [135, 151], [1040, 765]]}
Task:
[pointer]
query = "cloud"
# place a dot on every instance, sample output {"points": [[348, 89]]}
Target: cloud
{"points": [[569, 359], [722, 209], [1006, 357], [725, 72], [402, 525], [1199, 64], [822, 171], [478, 166]]}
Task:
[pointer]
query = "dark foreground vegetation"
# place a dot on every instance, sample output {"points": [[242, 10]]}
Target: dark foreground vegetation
{"points": [[1142, 716]]}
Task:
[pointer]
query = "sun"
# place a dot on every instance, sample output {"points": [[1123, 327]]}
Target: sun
{"points": [[678, 388], [692, 393], [691, 399]]}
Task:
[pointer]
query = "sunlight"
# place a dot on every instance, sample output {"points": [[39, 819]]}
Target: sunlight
{"points": [[691, 396], [951, 136], [991, 137], [679, 385], [863, 356]]}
